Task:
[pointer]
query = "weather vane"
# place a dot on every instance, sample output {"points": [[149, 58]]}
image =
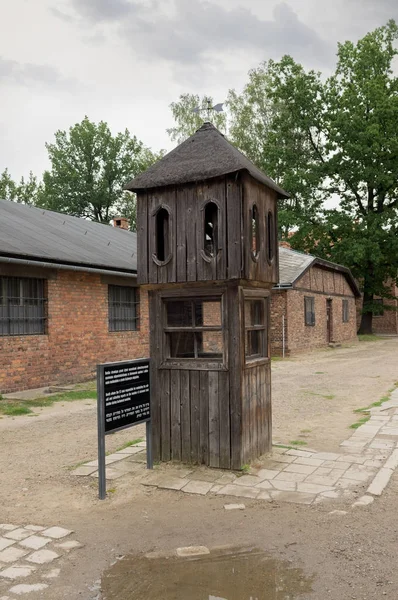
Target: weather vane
{"points": [[209, 108]]}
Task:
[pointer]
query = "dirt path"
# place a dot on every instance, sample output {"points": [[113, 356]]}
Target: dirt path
{"points": [[349, 556], [314, 395]]}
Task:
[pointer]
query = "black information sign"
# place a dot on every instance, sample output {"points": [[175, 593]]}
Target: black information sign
{"points": [[123, 401], [126, 394]]}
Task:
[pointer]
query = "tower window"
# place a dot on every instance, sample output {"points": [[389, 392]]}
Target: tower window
{"points": [[255, 231], [162, 234], [210, 244], [271, 237]]}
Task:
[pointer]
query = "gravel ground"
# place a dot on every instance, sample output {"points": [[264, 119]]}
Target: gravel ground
{"points": [[314, 395], [350, 556]]}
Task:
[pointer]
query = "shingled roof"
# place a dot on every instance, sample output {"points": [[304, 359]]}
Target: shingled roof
{"points": [[293, 265], [38, 235], [204, 155]]}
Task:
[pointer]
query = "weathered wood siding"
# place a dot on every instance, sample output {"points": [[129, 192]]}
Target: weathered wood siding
{"points": [[256, 412], [193, 421], [265, 199]]}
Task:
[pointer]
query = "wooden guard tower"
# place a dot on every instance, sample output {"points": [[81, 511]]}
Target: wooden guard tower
{"points": [[208, 255]]}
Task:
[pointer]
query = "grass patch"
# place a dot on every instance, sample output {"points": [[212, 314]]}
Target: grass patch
{"points": [[369, 337], [276, 358], [24, 407], [128, 444], [297, 443], [245, 469], [305, 431], [360, 422], [319, 372], [325, 396]]}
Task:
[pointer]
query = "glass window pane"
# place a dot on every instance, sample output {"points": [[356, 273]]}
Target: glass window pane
{"points": [[254, 343], [208, 313], [179, 313], [254, 312], [182, 344], [209, 344]]}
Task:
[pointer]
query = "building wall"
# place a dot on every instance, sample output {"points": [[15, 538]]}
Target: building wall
{"points": [[320, 284], [278, 322], [388, 322], [77, 336]]}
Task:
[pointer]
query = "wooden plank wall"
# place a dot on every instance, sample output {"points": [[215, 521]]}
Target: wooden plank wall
{"points": [[194, 417], [256, 412], [186, 207], [265, 199]]}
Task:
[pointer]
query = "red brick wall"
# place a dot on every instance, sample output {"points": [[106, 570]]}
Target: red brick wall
{"points": [[77, 336], [278, 311], [320, 284], [388, 322]]}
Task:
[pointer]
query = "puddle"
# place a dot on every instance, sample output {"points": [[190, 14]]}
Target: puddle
{"points": [[233, 574]]}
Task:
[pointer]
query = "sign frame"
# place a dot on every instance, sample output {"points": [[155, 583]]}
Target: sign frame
{"points": [[101, 418]]}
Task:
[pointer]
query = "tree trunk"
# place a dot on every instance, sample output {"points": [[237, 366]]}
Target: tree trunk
{"points": [[367, 315]]}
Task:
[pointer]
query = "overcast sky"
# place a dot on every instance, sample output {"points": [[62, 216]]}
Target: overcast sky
{"points": [[125, 61]]}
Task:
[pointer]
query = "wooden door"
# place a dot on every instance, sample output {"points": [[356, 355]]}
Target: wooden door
{"points": [[329, 320]]}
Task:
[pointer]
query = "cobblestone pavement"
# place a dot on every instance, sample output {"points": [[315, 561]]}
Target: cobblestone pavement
{"points": [[365, 464], [31, 557]]}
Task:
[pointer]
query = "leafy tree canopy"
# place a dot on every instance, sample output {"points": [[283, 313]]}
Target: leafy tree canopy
{"points": [[89, 167], [187, 121], [332, 138], [26, 191]]}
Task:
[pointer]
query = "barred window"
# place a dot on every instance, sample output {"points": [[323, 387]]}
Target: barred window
{"points": [[123, 308], [309, 310], [345, 311], [22, 306]]}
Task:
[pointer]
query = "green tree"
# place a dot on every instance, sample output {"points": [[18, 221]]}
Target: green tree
{"points": [[263, 127], [351, 123], [89, 168], [187, 121], [26, 191]]}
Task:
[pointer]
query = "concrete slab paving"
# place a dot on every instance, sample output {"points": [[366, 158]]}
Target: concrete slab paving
{"points": [[197, 487], [289, 472], [25, 588], [41, 557], [4, 543], [34, 542], [17, 571]]}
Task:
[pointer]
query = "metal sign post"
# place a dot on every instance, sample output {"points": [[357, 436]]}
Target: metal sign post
{"points": [[123, 390]]}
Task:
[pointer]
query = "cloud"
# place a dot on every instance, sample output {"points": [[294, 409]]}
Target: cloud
{"points": [[29, 74], [192, 33]]}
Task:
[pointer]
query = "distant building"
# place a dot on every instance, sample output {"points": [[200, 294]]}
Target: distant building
{"points": [[313, 305], [68, 297]]}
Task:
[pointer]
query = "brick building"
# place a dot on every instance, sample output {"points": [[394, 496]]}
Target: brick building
{"points": [[68, 297], [387, 321], [313, 305]]}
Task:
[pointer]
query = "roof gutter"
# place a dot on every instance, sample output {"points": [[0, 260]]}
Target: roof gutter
{"points": [[52, 265]]}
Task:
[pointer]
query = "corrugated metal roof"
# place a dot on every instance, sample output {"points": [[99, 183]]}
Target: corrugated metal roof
{"points": [[29, 232], [206, 154], [292, 265]]}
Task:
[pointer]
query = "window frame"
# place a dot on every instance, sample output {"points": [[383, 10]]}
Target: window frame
{"points": [[167, 241], [271, 236], [312, 320], [255, 234], [264, 355], [346, 311], [379, 301], [192, 363], [112, 304], [10, 324]]}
